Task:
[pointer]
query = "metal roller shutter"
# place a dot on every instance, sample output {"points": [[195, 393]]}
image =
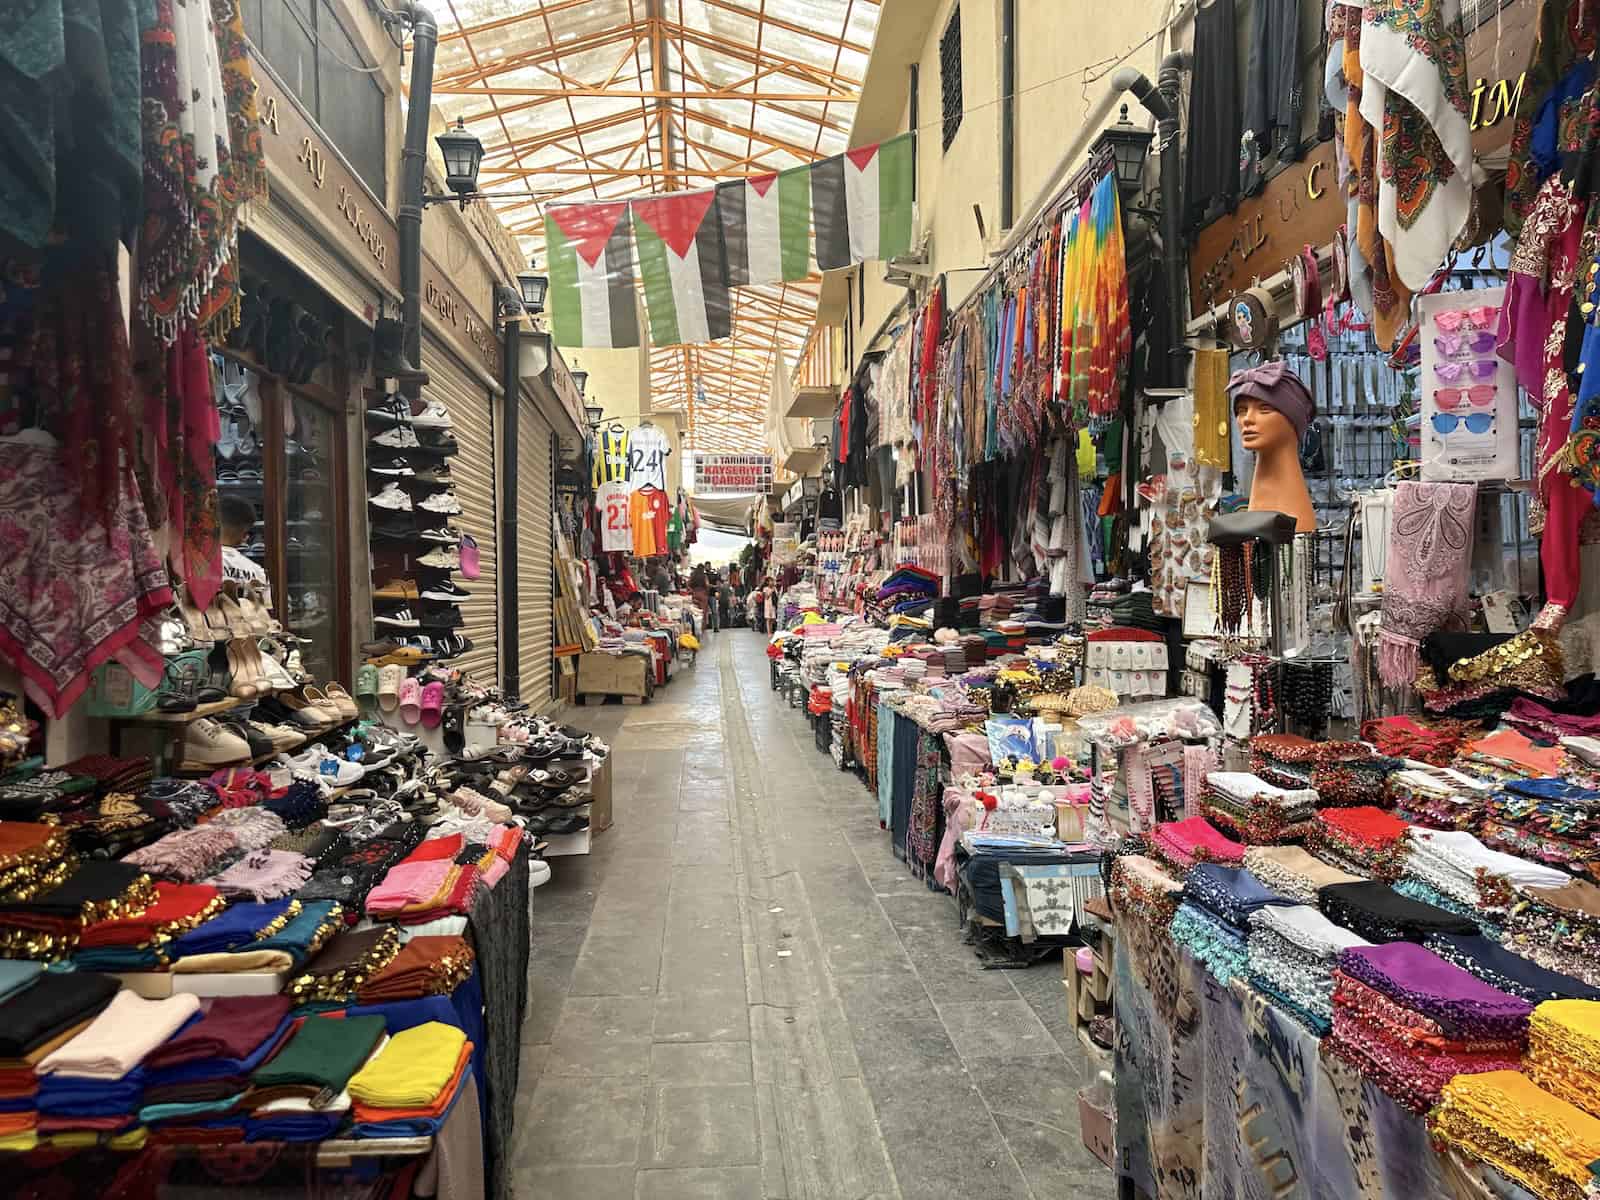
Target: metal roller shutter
{"points": [[534, 555], [474, 471]]}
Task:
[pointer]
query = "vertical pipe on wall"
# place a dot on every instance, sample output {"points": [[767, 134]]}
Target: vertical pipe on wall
{"points": [[413, 162], [1008, 112], [510, 530], [916, 135]]}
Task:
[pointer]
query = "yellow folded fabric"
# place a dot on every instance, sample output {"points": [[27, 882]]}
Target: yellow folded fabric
{"points": [[1508, 1121], [20, 1141], [1564, 1051], [412, 1069]]}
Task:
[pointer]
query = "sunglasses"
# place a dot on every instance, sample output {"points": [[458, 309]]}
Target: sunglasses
{"points": [[1466, 318], [1480, 422], [1451, 399], [1478, 368], [1452, 344]]}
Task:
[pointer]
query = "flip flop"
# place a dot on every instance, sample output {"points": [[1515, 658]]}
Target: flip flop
{"points": [[389, 680], [410, 701], [432, 705]]}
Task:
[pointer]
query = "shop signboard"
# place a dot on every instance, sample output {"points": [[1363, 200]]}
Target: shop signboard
{"points": [[1303, 205], [731, 474]]}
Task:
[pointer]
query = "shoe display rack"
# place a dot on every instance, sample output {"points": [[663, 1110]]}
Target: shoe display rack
{"points": [[411, 500]]}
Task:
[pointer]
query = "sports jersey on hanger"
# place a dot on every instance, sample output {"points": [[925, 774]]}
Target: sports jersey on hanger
{"points": [[648, 518], [611, 457], [616, 531]]}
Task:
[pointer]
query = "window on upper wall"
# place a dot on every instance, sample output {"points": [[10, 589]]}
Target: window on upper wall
{"points": [[318, 61], [950, 76]]}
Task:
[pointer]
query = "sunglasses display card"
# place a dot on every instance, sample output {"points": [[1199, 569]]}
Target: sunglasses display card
{"points": [[1469, 393]]}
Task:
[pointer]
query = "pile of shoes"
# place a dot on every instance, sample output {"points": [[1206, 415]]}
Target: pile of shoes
{"points": [[415, 549]]}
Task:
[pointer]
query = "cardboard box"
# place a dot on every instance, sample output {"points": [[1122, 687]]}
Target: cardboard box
{"points": [[1099, 1130], [613, 675], [600, 788]]}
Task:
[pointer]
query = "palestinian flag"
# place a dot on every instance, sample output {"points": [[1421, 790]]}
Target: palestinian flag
{"points": [[680, 260], [862, 203], [766, 226], [591, 300]]}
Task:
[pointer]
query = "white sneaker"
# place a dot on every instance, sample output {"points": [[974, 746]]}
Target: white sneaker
{"points": [[401, 616], [440, 502], [448, 535], [340, 772], [448, 559], [434, 416], [207, 743], [538, 873], [398, 438], [392, 498]]}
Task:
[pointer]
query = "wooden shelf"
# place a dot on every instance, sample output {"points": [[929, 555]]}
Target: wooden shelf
{"points": [[184, 718]]}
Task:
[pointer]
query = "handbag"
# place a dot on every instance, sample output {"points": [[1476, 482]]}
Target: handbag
{"points": [[470, 566], [114, 693]]}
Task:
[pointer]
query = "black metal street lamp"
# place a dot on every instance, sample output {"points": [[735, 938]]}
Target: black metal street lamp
{"points": [[462, 155], [580, 379], [1126, 145], [594, 412], [533, 288]]}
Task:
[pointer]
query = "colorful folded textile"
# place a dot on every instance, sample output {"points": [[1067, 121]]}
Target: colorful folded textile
{"points": [[1231, 894], [264, 875], [1142, 891], [1463, 868], [16, 974], [1366, 839], [1291, 951], [1438, 798], [1182, 844], [1293, 872], [1380, 914], [1488, 923], [1508, 750], [1459, 1003], [1559, 928], [1508, 972], [118, 1039], [188, 855], [345, 963], [306, 933], [236, 926], [321, 1057], [50, 1006], [1564, 1051], [33, 858], [1505, 1119], [425, 966], [175, 908], [253, 828], [232, 1027], [1432, 742], [1219, 946], [412, 1070], [48, 924], [1254, 810]]}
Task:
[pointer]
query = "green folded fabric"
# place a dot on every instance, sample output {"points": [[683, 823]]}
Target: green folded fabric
{"points": [[324, 1053]]}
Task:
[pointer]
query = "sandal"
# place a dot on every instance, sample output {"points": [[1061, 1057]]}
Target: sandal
{"points": [[241, 685]]}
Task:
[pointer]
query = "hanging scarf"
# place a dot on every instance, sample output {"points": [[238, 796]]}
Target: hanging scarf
{"points": [[1414, 89], [1425, 584], [1390, 300]]}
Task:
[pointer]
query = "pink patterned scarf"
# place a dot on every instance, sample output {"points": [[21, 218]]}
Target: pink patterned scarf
{"points": [[1425, 582]]}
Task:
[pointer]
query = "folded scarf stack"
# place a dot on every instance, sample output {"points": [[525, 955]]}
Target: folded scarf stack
{"points": [[205, 1068], [426, 966], [1293, 872], [350, 876], [1285, 759], [141, 940], [39, 1012], [252, 828], [301, 936], [407, 1088], [1508, 1121], [1364, 839], [1432, 742], [1438, 798], [1564, 1051], [1559, 928], [1380, 914], [301, 804], [1255, 811], [1410, 1021], [318, 1060], [187, 855], [1182, 844], [442, 876], [235, 926], [1142, 891], [1213, 921], [1463, 869], [47, 925], [264, 875], [93, 1083], [33, 858], [1551, 820], [1292, 950], [177, 803], [345, 963], [1510, 973]]}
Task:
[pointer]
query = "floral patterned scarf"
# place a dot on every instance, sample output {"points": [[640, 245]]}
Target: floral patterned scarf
{"points": [[1425, 583]]}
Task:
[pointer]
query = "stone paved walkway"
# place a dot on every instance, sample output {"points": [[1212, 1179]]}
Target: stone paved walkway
{"points": [[742, 994]]}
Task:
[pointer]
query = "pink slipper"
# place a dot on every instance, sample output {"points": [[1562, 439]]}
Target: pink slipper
{"points": [[432, 705], [410, 701]]}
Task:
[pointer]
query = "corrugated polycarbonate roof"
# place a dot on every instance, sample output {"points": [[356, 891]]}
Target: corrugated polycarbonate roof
{"points": [[602, 99]]}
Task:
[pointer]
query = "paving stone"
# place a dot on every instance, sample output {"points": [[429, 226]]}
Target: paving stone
{"points": [[700, 1183], [887, 996], [618, 964], [700, 1062], [543, 1182], [593, 1121], [981, 1028], [701, 1125], [712, 1015]]}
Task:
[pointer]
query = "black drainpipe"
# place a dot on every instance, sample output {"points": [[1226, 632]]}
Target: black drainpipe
{"points": [[510, 627], [1008, 112], [1162, 103], [413, 159]]}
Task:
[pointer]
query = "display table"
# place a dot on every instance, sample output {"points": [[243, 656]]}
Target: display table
{"points": [[1220, 1094]]}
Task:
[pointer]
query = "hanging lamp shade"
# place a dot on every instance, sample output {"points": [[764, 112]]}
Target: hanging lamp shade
{"points": [[1127, 146], [462, 154]]}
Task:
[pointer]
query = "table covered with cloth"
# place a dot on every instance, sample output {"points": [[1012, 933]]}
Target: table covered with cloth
{"points": [[1221, 1093]]}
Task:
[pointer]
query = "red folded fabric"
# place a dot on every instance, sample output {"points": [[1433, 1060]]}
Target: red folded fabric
{"points": [[177, 905]]}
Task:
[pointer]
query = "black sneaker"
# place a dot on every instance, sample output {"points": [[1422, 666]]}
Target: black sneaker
{"points": [[445, 591], [441, 537], [431, 473], [446, 617], [451, 645], [436, 442], [390, 410]]}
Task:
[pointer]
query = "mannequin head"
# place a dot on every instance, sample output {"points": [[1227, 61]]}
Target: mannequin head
{"points": [[1263, 429]]}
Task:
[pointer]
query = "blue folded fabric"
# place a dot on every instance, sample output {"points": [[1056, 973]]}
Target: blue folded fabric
{"points": [[412, 1126], [16, 974], [1500, 968], [233, 928], [117, 958], [294, 939], [294, 1127], [1552, 789], [1229, 893]]}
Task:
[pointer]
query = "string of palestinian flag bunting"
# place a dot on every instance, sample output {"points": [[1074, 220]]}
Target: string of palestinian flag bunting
{"points": [[692, 247]]}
